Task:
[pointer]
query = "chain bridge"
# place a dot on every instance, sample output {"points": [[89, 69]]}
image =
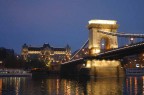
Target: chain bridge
{"points": [[100, 55]]}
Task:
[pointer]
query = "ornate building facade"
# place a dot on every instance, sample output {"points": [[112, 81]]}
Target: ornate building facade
{"points": [[50, 55]]}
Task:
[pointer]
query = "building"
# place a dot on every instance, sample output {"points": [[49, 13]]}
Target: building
{"points": [[134, 61], [5, 52], [7, 58], [50, 55]]}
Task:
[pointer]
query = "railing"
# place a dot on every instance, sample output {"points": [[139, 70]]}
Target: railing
{"points": [[135, 71]]}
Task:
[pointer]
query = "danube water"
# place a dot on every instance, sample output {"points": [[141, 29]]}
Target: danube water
{"points": [[131, 85]]}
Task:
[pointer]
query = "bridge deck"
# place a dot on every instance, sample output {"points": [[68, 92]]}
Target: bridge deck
{"points": [[120, 52], [113, 54]]}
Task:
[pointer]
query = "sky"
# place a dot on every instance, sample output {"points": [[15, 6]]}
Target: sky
{"points": [[62, 22]]}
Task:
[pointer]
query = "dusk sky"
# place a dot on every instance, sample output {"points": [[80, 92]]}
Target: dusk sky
{"points": [[61, 22]]}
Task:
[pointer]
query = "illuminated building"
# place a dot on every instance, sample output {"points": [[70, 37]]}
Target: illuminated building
{"points": [[47, 53], [134, 61]]}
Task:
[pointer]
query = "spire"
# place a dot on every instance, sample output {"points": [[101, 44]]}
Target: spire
{"points": [[25, 46], [46, 45], [68, 48]]}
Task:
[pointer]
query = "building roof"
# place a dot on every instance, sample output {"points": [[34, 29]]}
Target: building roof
{"points": [[34, 48], [43, 47], [59, 49]]}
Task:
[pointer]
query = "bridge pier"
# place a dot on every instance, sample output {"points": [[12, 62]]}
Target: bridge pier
{"points": [[105, 68]]}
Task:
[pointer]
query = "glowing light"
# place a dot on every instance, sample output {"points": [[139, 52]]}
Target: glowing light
{"points": [[34, 52], [131, 39], [95, 64], [96, 51], [137, 65], [88, 65], [102, 22], [108, 61], [83, 64], [113, 60], [103, 60], [102, 44]]}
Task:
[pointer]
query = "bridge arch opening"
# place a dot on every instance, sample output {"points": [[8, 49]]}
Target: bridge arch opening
{"points": [[104, 44]]}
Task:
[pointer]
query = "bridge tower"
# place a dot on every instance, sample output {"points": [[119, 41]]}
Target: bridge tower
{"points": [[96, 38], [99, 42]]}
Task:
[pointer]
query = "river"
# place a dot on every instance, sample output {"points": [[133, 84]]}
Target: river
{"points": [[131, 85]]}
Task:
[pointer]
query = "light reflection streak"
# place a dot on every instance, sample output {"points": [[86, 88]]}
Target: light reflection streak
{"points": [[68, 88], [65, 89], [135, 85], [17, 86], [76, 90], [1, 86], [131, 85], [57, 86], [143, 84], [104, 86]]}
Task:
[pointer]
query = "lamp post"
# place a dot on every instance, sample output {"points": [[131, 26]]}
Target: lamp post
{"points": [[131, 40]]}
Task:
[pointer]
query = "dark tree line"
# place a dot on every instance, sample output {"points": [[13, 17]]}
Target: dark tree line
{"points": [[11, 60], [34, 63]]}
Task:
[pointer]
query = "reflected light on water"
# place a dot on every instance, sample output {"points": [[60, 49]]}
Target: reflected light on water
{"points": [[57, 85], [0, 86], [134, 85], [105, 86], [130, 85]]}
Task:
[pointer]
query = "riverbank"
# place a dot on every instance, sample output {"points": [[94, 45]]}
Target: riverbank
{"points": [[14, 73]]}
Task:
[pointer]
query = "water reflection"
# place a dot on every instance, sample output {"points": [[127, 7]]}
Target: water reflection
{"points": [[105, 86], [58, 86], [134, 85]]}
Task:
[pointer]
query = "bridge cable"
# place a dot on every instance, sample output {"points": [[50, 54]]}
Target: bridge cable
{"points": [[80, 49], [123, 34]]}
